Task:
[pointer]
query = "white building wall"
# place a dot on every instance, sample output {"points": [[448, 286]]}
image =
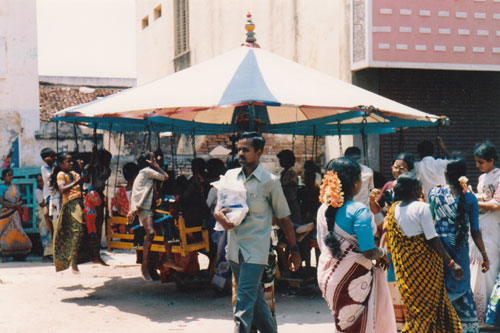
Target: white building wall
{"points": [[155, 43], [314, 33], [87, 38], [19, 100]]}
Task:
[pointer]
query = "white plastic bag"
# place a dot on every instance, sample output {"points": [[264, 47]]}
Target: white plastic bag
{"points": [[231, 195]]}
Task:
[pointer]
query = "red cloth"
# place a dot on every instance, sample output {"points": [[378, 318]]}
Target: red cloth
{"points": [[92, 200]]}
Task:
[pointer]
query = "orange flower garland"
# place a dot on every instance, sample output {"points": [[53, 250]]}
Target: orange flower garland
{"points": [[331, 190]]}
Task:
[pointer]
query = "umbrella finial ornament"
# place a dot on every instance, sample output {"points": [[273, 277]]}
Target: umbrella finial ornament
{"points": [[250, 27]]}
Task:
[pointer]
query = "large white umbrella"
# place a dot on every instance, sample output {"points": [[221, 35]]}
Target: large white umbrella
{"points": [[249, 86]]}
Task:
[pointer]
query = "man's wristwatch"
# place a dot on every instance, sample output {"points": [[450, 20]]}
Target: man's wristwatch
{"points": [[293, 249]]}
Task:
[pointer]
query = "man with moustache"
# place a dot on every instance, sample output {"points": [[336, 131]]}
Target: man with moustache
{"points": [[248, 243]]}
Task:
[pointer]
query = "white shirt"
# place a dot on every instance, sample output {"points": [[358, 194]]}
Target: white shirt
{"points": [[430, 172], [366, 185], [46, 171], [415, 219], [39, 196]]}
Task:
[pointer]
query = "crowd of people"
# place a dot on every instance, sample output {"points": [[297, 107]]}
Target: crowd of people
{"points": [[419, 253], [437, 239]]}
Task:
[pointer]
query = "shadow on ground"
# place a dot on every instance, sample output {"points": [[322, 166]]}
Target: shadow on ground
{"points": [[163, 303]]}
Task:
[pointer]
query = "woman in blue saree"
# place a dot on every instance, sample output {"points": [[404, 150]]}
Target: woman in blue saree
{"points": [[455, 211]]}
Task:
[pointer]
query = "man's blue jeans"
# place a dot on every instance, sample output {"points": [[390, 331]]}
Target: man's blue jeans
{"points": [[250, 305]]}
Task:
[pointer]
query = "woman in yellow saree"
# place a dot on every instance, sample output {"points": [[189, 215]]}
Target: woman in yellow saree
{"points": [[13, 239], [418, 254]]}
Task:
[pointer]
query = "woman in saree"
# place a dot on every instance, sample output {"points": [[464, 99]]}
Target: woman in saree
{"points": [[354, 287], [417, 255], [455, 211], [70, 225], [380, 202], [13, 239], [488, 195]]}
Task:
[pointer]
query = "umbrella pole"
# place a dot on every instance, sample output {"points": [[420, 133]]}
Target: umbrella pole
{"points": [[364, 140], [150, 147], [105, 200], [95, 134], [76, 138], [305, 147], [173, 151], [118, 158], [57, 137], [339, 133], [251, 116], [193, 142]]}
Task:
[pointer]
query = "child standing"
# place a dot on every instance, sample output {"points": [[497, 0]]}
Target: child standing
{"points": [[142, 205]]}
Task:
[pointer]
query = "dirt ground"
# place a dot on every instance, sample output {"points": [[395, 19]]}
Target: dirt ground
{"points": [[33, 297]]}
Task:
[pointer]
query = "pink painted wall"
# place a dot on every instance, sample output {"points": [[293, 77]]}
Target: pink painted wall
{"points": [[480, 31]]}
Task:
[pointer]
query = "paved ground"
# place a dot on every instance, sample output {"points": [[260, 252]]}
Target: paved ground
{"points": [[33, 297]]}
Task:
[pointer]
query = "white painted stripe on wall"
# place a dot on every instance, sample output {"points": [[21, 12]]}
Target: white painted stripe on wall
{"points": [[480, 15], [384, 46], [444, 31], [461, 14], [458, 48], [495, 50], [496, 16], [498, 33], [401, 46], [386, 11], [464, 32], [483, 32], [443, 13], [381, 29], [439, 48], [404, 29], [424, 12], [404, 11], [424, 30], [421, 47], [478, 49]]}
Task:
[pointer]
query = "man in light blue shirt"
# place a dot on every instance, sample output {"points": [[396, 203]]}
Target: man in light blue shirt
{"points": [[248, 243]]}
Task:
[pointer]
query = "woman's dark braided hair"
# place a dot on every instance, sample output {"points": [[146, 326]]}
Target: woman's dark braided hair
{"points": [[61, 157], [349, 173], [454, 170]]}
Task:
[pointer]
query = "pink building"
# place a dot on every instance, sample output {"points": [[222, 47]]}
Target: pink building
{"points": [[441, 57]]}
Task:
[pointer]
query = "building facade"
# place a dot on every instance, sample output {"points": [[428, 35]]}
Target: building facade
{"points": [[441, 57], [19, 111]]}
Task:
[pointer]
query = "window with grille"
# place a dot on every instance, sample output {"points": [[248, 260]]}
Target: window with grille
{"points": [[181, 26]]}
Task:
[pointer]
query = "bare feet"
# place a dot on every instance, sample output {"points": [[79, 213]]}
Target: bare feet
{"points": [[75, 270], [99, 260], [145, 274], [170, 263]]}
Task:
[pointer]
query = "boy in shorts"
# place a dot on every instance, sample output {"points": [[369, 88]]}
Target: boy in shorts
{"points": [[142, 205]]}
